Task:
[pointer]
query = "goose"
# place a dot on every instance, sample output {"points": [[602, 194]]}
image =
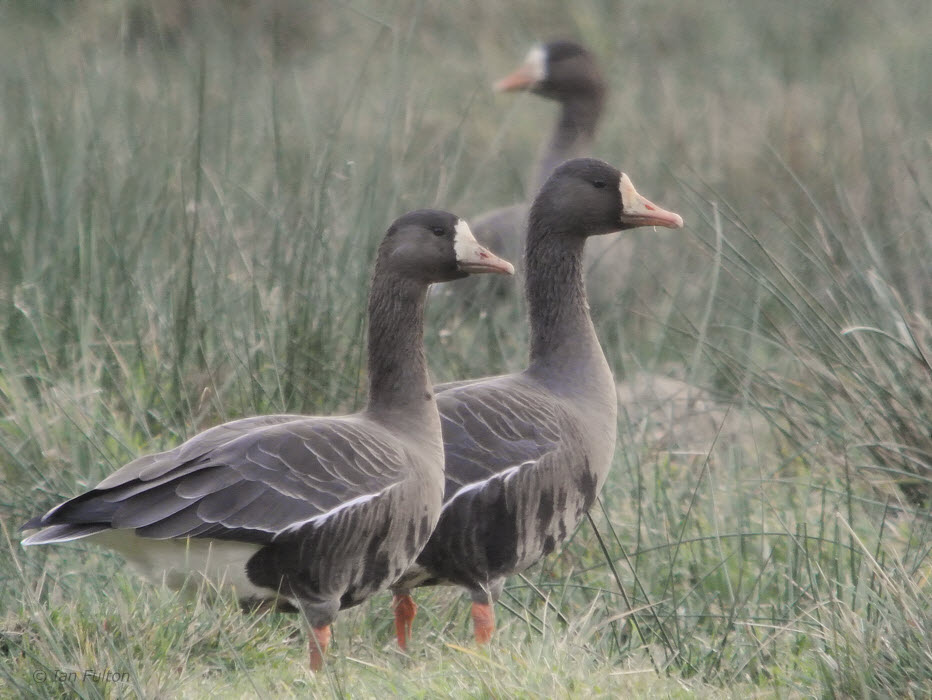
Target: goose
{"points": [[527, 453], [567, 73], [310, 513]]}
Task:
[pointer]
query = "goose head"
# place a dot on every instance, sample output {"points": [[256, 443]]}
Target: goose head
{"points": [[429, 246], [557, 70], [588, 197]]}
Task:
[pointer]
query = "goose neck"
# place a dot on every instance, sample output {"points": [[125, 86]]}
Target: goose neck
{"points": [[398, 378], [561, 328], [573, 133]]}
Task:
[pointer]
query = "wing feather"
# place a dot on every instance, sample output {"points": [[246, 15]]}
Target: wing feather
{"points": [[149, 467], [493, 426], [248, 479], [220, 505], [148, 507]]}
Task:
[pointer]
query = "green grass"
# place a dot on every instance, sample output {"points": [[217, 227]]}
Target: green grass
{"points": [[188, 213]]}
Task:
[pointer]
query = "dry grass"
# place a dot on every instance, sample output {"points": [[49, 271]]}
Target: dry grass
{"points": [[188, 208]]}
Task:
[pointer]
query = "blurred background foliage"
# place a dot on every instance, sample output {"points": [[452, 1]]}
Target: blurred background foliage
{"points": [[191, 193]]}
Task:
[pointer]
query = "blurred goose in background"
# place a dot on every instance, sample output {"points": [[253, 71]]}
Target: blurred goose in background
{"points": [[528, 453], [314, 513], [566, 72]]}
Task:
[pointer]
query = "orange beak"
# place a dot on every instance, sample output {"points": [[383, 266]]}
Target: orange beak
{"points": [[528, 74], [521, 79], [473, 258], [637, 210]]}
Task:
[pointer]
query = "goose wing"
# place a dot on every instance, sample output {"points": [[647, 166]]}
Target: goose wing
{"points": [[517, 482], [492, 426], [247, 480]]}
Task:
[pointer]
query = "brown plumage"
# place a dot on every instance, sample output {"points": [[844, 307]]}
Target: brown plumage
{"points": [[527, 453], [317, 513]]}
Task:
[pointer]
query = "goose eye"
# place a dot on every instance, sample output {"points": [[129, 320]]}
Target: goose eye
{"points": [[599, 184], [438, 230]]}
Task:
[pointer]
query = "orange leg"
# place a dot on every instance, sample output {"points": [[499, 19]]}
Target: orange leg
{"points": [[405, 609], [320, 639], [483, 622]]}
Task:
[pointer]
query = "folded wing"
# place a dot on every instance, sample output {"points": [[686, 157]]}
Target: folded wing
{"points": [[247, 480]]}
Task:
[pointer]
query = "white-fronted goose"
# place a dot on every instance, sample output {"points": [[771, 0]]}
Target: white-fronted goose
{"points": [[566, 72], [317, 513], [527, 453]]}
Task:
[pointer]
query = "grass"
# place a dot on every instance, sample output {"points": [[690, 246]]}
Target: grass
{"points": [[188, 210]]}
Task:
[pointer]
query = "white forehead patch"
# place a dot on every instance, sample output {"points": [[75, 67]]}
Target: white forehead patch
{"points": [[536, 63], [465, 244], [625, 186], [629, 195]]}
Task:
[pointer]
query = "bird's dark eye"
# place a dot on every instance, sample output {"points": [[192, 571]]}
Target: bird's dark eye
{"points": [[438, 230], [599, 184]]}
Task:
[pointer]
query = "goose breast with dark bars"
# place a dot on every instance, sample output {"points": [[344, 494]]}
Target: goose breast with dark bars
{"points": [[528, 453], [318, 513]]}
